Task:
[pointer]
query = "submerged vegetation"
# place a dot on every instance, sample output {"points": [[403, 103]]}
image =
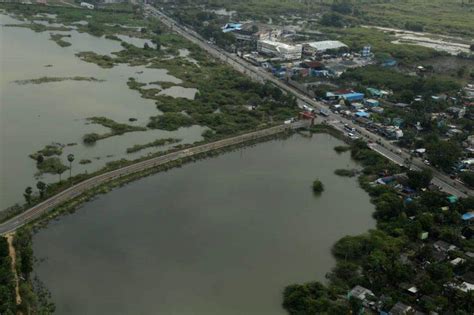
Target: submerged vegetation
{"points": [[57, 79], [156, 143], [318, 186], [346, 173], [58, 39], [47, 151], [115, 129]]}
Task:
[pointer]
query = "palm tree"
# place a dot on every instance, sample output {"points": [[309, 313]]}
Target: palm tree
{"points": [[27, 194], [41, 187], [70, 158]]}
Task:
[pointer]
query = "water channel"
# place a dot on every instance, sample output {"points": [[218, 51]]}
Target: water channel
{"points": [[223, 235]]}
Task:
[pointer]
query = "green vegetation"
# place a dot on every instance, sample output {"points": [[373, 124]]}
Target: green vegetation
{"points": [[156, 143], [345, 172], [468, 178], [404, 87], [115, 129], [58, 39], [47, 151], [85, 161], [7, 280], [102, 61], [419, 179], [386, 259], [318, 186], [170, 121], [342, 148], [52, 165], [57, 79]]}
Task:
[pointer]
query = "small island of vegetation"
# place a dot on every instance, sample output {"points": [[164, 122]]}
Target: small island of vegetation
{"points": [[318, 186]]}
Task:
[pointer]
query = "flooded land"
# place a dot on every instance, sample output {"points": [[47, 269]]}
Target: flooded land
{"points": [[226, 234], [47, 94]]}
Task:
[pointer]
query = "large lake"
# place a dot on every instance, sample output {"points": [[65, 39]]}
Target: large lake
{"points": [[220, 236]]}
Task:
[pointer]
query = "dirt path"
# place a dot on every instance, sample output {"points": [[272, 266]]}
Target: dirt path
{"points": [[12, 252]]}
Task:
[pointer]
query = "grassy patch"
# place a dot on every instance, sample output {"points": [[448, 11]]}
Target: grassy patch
{"points": [[52, 165], [115, 129], [48, 151], [342, 148], [102, 61], [345, 172], [170, 121], [156, 143], [57, 79], [85, 161], [58, 39]]}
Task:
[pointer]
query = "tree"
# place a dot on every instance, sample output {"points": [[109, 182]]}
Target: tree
{"points": [[468, 178], [318, 186], [27, 194], [41, 187], [443, 154], [419, 179], [39, 158], [70, 158]]}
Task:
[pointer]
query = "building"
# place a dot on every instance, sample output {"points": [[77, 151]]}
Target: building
{"points": [[442, 246], [353, 97], [87, 5], [231, 27], [364, 295], [401, 309], [280, 50], [371, 102], [367, 51], [322, 46]]}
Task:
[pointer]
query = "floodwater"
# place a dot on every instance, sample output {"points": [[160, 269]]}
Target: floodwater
{"points": [[223, 235], [35, 115]]}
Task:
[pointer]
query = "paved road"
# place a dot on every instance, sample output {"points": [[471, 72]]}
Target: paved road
{"points": [[391, 151], [76, 190]]}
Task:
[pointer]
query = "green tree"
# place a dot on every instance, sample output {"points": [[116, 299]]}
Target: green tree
{"points": [[27, 194], [419, 179], [70, 158], [39, 158], [443, 154], [42, 188], [468, 178], [318, 186]]}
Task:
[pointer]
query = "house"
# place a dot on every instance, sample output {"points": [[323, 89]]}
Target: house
{"points": [[371, 102], [457, 261], [362, 114], [377, 110], [442, 246], [87, 5], [362, 294], [401, 309], [231, 27], [353, 97]]}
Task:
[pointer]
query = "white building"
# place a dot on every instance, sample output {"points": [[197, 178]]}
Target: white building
{"points": [[280, 50], [322, 46], [87, 5]]}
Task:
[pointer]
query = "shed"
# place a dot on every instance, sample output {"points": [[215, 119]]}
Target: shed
{"points": [[372, 103], [362, 114], [351, 97]]}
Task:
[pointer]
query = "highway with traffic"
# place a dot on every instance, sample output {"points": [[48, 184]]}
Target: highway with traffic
{"points": [[376, 142]]}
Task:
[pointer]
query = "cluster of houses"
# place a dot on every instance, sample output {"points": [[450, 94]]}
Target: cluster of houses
{"points": [[441, 252]]}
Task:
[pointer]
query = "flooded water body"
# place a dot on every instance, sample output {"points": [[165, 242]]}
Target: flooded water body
{"points": [[223, 235], [35, 115]]}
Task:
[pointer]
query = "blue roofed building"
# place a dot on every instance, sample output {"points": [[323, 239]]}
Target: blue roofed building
{"points": [[353, 97], [230, 27]]}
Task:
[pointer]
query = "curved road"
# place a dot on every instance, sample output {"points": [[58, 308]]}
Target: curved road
{"points": [[76, 190], [385, 147]]}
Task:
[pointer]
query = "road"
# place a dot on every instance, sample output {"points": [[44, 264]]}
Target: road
{"points": [[76, 190], [384, 147]]}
